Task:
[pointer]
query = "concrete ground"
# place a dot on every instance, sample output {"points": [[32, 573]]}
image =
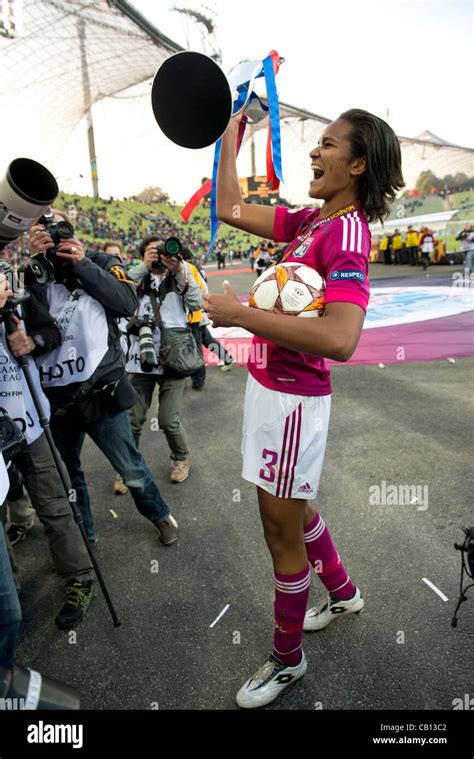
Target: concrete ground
{"points": [[408, 424]]}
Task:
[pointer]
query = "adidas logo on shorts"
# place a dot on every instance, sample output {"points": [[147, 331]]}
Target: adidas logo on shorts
{"points": [[306, 488]]}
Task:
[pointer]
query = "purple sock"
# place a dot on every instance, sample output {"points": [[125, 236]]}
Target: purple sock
{"points": [[325, 560], [291, 599]]}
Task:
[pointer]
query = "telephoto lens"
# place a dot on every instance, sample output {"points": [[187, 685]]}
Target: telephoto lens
{"points": [[27, 689], [26, 192], [148, 357], [173, 246]]}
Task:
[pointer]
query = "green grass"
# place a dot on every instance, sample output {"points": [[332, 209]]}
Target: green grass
{"points": [[123, 212]]}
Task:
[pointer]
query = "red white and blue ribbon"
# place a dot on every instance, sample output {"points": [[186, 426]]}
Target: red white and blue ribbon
{"points": [[269, 69], [271, 65]]}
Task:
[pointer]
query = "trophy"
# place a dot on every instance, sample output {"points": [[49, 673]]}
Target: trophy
{"points": [[193, 100]]}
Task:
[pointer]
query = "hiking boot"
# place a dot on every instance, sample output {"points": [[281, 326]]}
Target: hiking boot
{"points": [[119, 487], [79, 596], [179, 470], [16, 533]]}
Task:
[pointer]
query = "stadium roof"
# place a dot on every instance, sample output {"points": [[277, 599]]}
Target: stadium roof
{"points": [[58, 57], [301, 131]]}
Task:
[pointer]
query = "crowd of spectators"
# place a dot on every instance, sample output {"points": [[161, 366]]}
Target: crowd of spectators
{"points": [[104, 222]]}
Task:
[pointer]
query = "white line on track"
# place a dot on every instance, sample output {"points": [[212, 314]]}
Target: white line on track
{"points": [[436, 590], [226, 608]]}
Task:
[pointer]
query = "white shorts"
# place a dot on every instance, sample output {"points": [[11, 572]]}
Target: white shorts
{"points": [[284, 439]]}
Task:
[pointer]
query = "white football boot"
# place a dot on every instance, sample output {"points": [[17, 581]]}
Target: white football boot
{"points": [[321, 616], [268, 682]]}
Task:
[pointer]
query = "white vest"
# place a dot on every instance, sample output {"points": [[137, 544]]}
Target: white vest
{"points": [[84, 337], [427, 245], [15, 397], [173, 314]]}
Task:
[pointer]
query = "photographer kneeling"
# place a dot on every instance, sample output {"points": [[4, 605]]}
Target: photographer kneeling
{"points": [[84, 377], [165, 292]]}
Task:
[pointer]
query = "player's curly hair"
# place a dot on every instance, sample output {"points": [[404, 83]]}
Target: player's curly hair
{"points": [[373, 138]]}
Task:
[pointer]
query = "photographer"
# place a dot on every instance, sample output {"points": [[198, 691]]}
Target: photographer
{"points": [[10, 610], [84, 377], [36, 334], [263, 261], [163, 284], [466, 238]]}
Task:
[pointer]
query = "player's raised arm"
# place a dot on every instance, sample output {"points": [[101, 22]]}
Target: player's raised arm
{"points": [[231, 209]]}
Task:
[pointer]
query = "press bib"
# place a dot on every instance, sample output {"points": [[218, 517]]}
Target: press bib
{"points": [[84, 337], [15, 397]]}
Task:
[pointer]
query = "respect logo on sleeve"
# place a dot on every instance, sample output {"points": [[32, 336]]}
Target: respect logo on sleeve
{"points": [[347, 276]]}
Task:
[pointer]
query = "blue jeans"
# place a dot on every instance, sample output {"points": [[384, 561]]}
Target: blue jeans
{"points": [[468, 254], [10, 609], [112, 434]]}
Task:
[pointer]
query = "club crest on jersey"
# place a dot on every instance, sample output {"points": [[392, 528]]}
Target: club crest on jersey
{"points": [[346, 275], [301, 250]]}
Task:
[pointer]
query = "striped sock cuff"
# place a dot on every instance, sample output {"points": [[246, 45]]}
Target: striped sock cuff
{"points": [[293, 583], [314, 530]]}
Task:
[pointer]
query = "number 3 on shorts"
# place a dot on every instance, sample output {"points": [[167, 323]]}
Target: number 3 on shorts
{"points": [[270, 474]]}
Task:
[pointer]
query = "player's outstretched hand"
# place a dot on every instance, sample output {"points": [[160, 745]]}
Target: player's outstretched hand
{"points": [[224, 309]]}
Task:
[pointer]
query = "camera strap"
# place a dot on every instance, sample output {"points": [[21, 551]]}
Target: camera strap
{"points": [[186, 282], [157, 301], [156, 305]]}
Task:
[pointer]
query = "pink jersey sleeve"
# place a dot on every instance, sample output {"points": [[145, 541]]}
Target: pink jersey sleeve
{"points": [[287, 223], [346, 261]]}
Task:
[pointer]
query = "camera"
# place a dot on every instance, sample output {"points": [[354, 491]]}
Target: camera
{"points": [[171, 248], [142, 326], [22, 688], [12, 440], [45, 266], [27, 190], [467, 568]]}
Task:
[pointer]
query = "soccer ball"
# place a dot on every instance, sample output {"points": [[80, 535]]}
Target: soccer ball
{"points": [[292, 288]]}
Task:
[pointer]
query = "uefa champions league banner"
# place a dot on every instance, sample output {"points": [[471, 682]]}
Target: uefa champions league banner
{"points": [[390, 309]]}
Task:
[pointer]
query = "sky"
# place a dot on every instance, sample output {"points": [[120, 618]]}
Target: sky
{"points": [[409, 61], [413, 57]]}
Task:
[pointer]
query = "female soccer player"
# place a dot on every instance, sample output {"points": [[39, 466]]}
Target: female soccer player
{"points": [[357, 171]]}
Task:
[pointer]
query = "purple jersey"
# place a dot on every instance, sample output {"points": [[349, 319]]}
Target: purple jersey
{"points": [[338, 248]]}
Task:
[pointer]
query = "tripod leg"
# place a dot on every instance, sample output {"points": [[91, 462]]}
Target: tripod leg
{"points": [[454, 620]]}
